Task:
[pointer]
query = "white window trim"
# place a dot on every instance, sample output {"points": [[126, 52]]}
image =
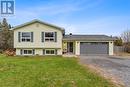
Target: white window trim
{"points": [[25, 37], [27, 53], [49, 37], [50, 50]]}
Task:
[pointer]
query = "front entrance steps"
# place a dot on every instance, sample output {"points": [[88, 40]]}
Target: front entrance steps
{"points": [[69, 55]]}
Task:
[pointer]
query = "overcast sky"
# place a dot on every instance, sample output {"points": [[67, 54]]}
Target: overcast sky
{"points": [[110, 17]]}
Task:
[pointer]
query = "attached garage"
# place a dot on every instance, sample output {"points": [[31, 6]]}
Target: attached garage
{"points": [[94, 48], [91, 44]]}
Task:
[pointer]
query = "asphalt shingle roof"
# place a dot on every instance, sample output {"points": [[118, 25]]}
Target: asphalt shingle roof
{"points": [[88, 37]]}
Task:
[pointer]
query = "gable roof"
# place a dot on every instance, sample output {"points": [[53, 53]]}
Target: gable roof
{"points": [[88, 37], [38, 21]]}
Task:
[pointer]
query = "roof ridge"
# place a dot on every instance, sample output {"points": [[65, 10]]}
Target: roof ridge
{"points": [[37, 20]]}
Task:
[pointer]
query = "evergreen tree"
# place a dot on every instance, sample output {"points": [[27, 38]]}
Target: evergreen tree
{"points": [[0, 34], [9, 26], [6, 35], [118, 41], [0, 26]]}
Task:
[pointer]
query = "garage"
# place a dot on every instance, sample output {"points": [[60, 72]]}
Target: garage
{"points": [[94, 48]]}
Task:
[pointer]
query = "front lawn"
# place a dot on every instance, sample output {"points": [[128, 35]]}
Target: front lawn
{"points": [[53, 71]]}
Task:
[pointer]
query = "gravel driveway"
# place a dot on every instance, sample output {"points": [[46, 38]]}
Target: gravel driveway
{"points": [[119, 67]]}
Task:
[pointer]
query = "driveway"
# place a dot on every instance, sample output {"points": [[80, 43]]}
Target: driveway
{"points": [[119, 67]]}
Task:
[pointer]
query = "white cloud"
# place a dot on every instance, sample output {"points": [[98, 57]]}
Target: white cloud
{"points": [[113, 25], [37, 12], [27, 14]]}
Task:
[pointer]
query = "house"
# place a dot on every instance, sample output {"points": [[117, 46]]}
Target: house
{"points": [[41, 38]]}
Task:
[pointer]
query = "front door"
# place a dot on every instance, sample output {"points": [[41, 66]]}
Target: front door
{"points": [[70, 47]]}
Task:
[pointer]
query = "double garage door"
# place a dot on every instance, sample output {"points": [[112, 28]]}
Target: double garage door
{"points": [[94, 48]]}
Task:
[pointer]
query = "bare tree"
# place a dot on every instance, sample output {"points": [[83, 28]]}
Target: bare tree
{"points": [[126, 39], [126, 36]]}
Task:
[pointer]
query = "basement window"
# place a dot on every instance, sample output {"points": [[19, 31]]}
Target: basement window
{"points": [[50, 52], [26, 52]]}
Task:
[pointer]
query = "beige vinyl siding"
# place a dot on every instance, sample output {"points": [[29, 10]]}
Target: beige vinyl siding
{"points": [[77, 47], [37, 43], [37, 28], [111, 48]]}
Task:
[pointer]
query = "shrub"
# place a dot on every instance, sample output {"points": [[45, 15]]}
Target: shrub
{"points": [[118, 42], [127, 47], [9, 52], [1, 51]]}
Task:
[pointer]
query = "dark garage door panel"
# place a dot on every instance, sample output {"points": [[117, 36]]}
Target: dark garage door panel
{"points": [[93, 48]]}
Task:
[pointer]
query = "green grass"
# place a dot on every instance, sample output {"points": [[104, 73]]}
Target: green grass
{"points": [[53, 71]]}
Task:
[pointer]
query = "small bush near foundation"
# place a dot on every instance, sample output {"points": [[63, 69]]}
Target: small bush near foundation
{"points": [[9, 52]]}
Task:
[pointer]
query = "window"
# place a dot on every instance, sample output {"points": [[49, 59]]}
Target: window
{"points": [[49, 36], [26, 36], [27, 52], [49, 52]]}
